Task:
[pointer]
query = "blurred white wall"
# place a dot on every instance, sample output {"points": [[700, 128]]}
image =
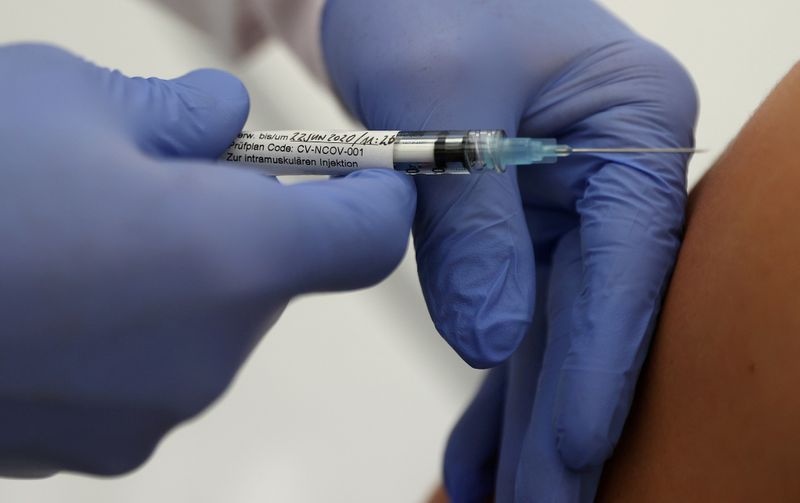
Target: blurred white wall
{"points": [[350, 397]]}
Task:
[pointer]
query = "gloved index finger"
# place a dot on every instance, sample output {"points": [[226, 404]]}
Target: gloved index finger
{"points": [[630, 229], [475, 262], [630, 208]]}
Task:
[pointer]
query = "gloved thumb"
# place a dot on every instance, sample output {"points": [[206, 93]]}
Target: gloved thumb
{"points": [[345, 233], [195, 115], [255, 235]]}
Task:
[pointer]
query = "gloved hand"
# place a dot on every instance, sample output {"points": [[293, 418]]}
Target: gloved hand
{"points": [[576, 255], [136, 273]]}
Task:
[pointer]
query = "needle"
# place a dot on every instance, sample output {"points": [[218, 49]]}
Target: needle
{"points": [[627, 150]]}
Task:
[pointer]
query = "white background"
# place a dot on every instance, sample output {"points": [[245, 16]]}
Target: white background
{"points": [[350, 397]]}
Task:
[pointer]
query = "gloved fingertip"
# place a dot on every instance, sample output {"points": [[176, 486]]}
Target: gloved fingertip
{"points": [[590, 412], [196, 115], [583, 450], [363, 219], [218, 103], [476, 264], [489, 344], [220, 86], [391, 178], [388, 193]]}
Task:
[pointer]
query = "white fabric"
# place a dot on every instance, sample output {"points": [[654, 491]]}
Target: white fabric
{"points": [[298, 23], [238, 25]]}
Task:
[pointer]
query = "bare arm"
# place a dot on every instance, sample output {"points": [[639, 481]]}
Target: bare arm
{"points": [[717, 416], [717, 411]]}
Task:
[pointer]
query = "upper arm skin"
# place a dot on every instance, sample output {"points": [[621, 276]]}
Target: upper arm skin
{"points": [[717, 412]]}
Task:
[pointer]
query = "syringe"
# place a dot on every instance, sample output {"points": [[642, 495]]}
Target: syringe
{"points": [[410, 152]]}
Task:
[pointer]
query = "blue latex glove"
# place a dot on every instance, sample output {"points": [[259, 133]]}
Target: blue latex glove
{"points": [[575, 255], [133, 280]]}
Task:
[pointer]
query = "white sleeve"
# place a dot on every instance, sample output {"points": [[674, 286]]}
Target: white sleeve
{"points": [[239, 25]]}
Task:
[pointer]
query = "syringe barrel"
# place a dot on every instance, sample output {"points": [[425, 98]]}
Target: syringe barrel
{"points": [[447, 152], [342, 152]]}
